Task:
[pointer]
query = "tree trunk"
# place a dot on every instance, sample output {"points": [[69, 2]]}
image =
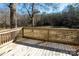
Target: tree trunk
{"points": [[13, 21], [33, 23], [5, 24]]}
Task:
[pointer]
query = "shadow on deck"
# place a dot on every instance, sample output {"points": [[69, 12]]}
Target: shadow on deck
{"points": [[67, 49]]}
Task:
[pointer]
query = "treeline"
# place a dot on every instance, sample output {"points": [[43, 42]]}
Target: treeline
{"points": [[69, 18], [59, 20]]}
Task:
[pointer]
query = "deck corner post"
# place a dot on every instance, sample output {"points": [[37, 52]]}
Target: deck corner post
{"points": [[22, 32]]}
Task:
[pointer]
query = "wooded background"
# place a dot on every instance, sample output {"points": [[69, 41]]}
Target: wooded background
{"points": [[31, 15]]}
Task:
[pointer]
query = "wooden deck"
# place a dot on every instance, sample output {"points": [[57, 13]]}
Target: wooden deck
{"points": [[28, 47]]}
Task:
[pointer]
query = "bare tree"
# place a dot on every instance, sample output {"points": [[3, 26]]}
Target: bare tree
{"points": [[31, 10], [34, 8]]}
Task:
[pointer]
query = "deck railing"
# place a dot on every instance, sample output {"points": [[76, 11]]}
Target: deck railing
{"points": [[8, 35], [69, 36]]}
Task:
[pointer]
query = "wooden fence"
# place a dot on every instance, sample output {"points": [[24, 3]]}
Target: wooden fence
{"points": [[8, 35], [69, 36]]}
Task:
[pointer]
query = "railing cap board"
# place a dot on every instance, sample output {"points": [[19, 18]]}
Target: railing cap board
{"points": [[62, 29], [3, 30], [9, 30]]}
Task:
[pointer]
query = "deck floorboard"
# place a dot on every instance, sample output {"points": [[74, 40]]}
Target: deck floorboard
{"points": [[28, 47]]}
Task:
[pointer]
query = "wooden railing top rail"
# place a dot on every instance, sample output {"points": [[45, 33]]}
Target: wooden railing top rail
{"points": [[9, 30], [65, 29], [3, 30]]}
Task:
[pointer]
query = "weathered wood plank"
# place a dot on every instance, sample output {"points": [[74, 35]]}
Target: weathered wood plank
{"points": [[25, 50]]}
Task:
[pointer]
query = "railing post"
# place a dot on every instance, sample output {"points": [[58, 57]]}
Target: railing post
{"points": [[0, 39], [22, 32], [48, 35]]}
